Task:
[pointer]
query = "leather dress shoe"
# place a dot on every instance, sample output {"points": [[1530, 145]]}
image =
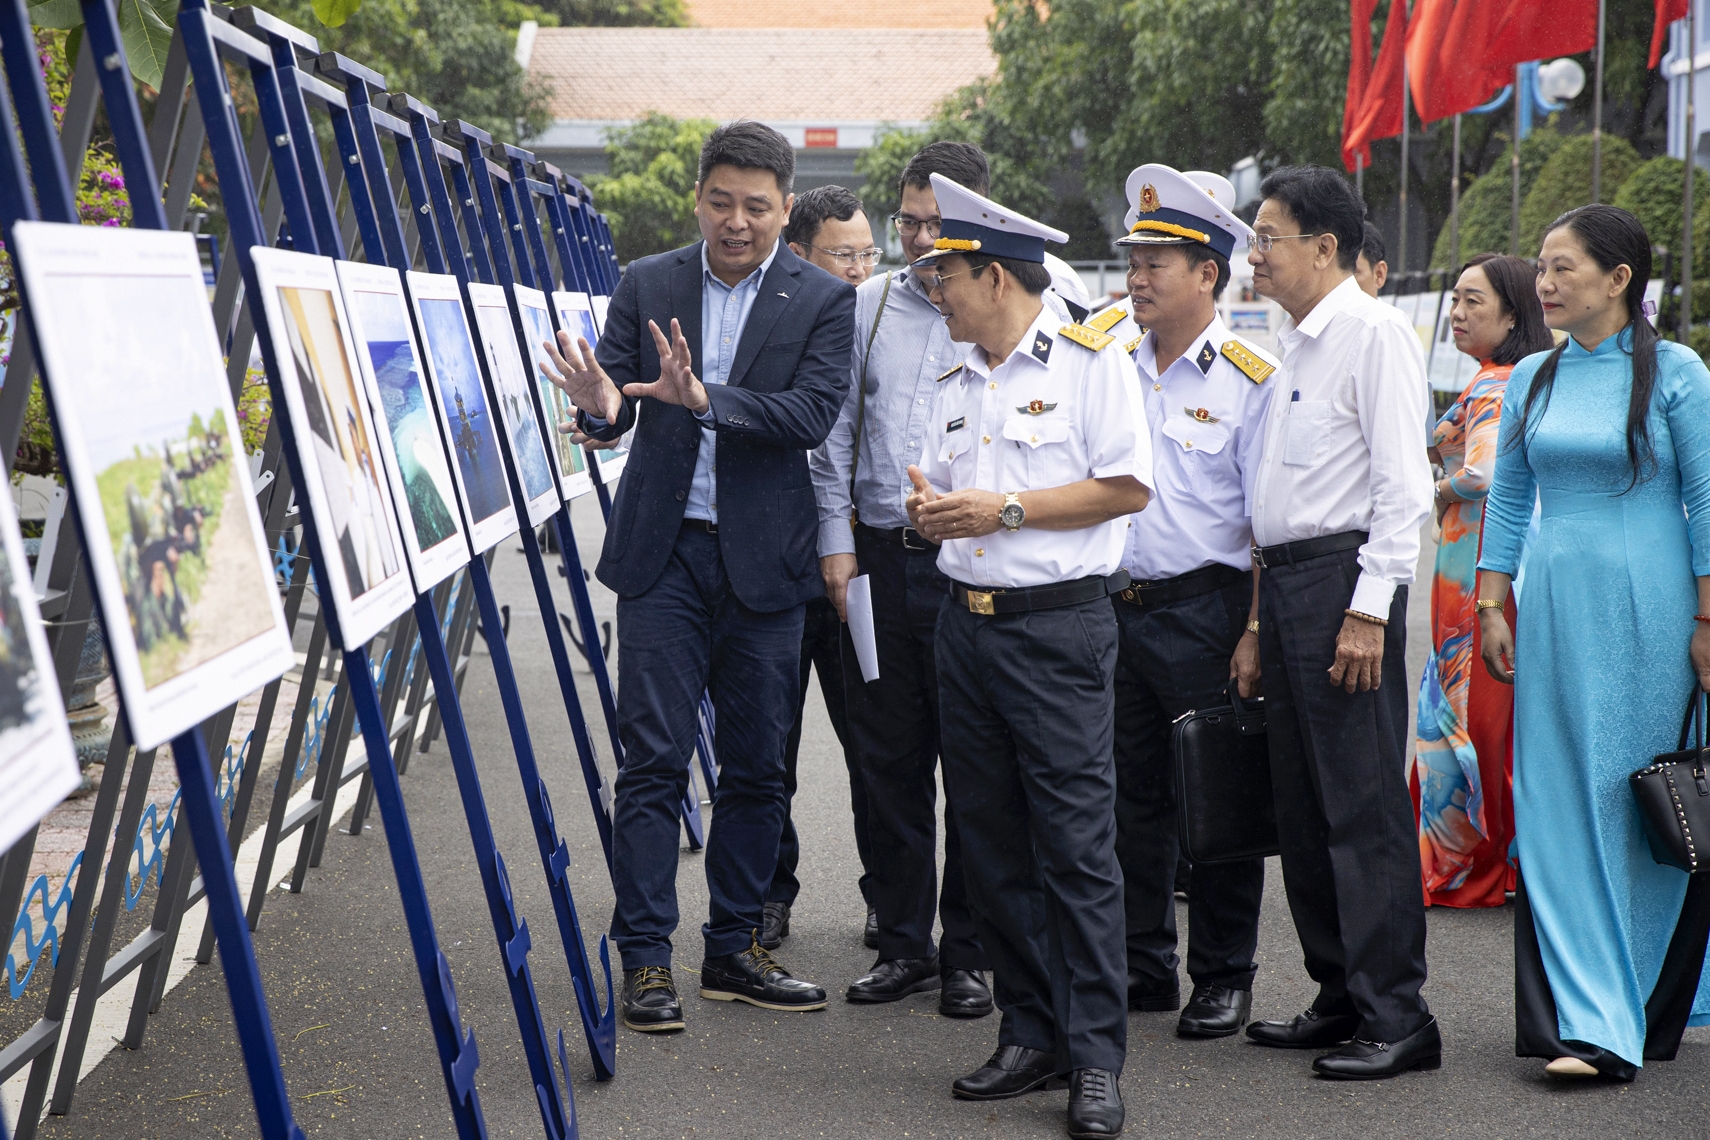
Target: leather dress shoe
{"points": [[1374, 1060], [870, 932], [1012, 1071], [1215, 1011], [894, 978], [1311, 1030], [650, 1003], [754, 976], [1144, 996], [774, 924], [964, 994], [1095, 1104]]}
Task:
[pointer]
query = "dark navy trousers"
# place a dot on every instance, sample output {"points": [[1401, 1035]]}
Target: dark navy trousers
{"points": [[1027, 708], [1175, 657], [686, 633]]}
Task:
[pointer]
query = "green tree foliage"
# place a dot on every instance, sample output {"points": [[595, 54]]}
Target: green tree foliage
{"points": [[1654, 194], [145, 26], [457, 56], [618, 13], [649, 196], [1487, 205], [1565, 182]]}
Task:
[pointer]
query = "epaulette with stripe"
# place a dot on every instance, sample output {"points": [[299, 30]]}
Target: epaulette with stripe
{"points": [[1108, 319], [950, 373], [1085, 337], [1257, 368], [1135, 343]]}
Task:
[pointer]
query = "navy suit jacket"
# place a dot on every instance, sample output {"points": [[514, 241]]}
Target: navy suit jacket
{"points": [[786, 386]]}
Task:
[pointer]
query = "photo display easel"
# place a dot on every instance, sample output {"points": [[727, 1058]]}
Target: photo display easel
{"points": [[366, 455]]}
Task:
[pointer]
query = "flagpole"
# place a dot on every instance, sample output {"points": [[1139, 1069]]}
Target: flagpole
{"points": [[1401, 263], [1597, 112], [1455, 203], [1691, 161], [1514, 169], [1360, 175]]}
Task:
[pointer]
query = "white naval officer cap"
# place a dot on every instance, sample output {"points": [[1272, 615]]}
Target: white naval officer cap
{"points": [[1169, 207], [976, 224]]}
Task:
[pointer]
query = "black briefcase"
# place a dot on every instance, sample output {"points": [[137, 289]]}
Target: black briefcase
{"points": [[1223, 782]]}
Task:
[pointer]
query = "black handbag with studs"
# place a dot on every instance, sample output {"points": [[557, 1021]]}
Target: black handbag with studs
{"points": [[1673, 794]]}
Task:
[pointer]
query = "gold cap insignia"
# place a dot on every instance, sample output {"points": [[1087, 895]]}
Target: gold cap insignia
{"points": [[1148, 198]]}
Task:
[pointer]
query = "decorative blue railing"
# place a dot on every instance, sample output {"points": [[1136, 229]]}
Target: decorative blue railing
{"points": [[18, 977]]}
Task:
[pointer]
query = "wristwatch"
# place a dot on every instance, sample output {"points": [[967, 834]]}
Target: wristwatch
{"points": [[1013, 513]]}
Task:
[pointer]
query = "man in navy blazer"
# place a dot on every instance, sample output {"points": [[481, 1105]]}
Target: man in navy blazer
{"points": [[730, 358]]}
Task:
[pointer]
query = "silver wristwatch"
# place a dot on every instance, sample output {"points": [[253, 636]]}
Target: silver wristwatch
{"points": [[1013, 513]]}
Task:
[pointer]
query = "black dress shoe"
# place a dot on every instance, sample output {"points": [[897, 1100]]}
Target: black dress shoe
{"points": [[1374, 1060], [870, 933], [650, 1002], [1311, 1030], [894, 978], [774, 924], [1144, 995], [1095, 1104], [964, 994], [1215, 1011], [755, 977], [1012, 1071]]}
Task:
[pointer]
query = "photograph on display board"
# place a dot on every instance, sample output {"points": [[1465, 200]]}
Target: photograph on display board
{"points": [[338, 445], [510, 391], [38, 764], [558, 413], [414, 452], [454, 375], [138, 384], [582, 317]]}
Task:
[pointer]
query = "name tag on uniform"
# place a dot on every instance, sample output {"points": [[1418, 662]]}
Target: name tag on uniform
{"points": [[957, 424]]}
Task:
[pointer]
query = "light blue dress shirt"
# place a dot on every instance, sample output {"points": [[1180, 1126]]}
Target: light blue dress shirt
{"points": [[724, 314]]}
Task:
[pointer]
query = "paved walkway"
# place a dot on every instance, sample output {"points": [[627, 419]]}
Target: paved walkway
{"points": [[359, 1060]]}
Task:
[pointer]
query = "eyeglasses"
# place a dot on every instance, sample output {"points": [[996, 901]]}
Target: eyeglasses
{"points": [[935, 281], [846, 258], [1263, 242], [908, 227]]}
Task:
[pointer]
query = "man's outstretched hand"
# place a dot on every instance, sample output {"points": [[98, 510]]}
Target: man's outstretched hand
{"points": [[576, 373], [677, 383]]}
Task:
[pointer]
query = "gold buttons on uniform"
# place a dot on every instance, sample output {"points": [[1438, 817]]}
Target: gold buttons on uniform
{"points": [[979, 552], [1034, 439], [1157, 387], [993, 384], [985, 439], [1190, 445]]}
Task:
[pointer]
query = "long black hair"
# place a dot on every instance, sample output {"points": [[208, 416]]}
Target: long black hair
{"points": [[1514, 281], [1611, 237]]}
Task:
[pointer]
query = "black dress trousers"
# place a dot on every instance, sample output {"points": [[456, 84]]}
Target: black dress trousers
{"points": [[894, 731], [1028, 720], [822, 633], [1350, 850], [1171, 658]]}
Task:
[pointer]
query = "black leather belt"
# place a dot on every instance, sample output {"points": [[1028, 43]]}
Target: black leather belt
{"points": [[904, 536], [702, 525], [1205, 580], [1030, 599], [1287, 553]]}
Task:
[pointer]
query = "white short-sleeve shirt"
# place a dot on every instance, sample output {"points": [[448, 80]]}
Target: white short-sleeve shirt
{"points": [[1054, 413]]}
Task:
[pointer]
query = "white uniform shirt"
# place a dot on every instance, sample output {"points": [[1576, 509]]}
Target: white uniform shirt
{"points": [[1052, 414], [1207, 420], [1342, 440]]}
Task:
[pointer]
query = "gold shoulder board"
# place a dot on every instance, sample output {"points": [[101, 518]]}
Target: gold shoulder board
{"points": [[1134, 344], [950, 373], [1257, 370], [1108, 319], [1085, 337]]}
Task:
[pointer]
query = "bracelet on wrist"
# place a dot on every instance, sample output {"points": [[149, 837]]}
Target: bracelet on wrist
{"points": [[1487, 604], [1253, 625], [1701, 617], [1366, 617]]}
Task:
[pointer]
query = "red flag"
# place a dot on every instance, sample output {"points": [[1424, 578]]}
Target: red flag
{"points": [[1464, 78], [1380, 111], [1359, 75], [1425, 80], [1668, 11], [1531, 30]]}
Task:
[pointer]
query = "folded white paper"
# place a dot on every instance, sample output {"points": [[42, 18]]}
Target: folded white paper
{"points": [[858, 603]]}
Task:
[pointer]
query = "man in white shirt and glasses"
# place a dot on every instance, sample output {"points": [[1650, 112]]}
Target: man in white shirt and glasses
{"points": [[1341, 493]]}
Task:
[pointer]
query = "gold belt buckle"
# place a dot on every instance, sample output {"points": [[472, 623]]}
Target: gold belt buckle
{"points": [[980, 602], [1132, 594]]}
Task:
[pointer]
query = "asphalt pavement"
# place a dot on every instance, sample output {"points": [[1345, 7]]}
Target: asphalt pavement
{"points": [[359, 1060]]}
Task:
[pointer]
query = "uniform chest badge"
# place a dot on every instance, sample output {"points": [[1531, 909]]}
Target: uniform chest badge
{"points": [[957, 424], [1042, 348], [1206, 356], [1037, 407], [1201, 415], [1148, 198]]}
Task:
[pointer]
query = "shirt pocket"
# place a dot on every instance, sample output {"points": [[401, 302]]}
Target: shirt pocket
{"points": [[955, 456], [1306, 433], [1046, 449], [1197, 444]]}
